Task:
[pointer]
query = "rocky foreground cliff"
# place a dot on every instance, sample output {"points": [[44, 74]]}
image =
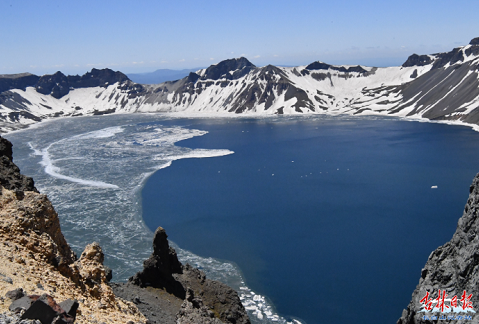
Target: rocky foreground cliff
{"points": [[35, 258], [42, 278], [452, 268]]}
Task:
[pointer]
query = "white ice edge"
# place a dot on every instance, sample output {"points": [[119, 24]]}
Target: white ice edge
{"points": [[52, 170]]}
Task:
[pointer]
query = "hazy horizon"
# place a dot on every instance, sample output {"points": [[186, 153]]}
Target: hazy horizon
{"points": [[74, 37]]}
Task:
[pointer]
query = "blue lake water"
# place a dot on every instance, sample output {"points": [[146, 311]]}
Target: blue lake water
{"points": [[330, 218]]}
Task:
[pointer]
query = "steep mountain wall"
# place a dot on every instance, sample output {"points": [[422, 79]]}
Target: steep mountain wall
{"points": [[442, 86], [453, 267]]}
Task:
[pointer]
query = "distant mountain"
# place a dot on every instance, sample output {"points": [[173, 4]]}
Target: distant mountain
{"points": [[160, 76], [442, 86]]}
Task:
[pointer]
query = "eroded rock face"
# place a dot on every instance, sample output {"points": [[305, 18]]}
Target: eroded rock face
{"points": [[159, 268], [6, 148], [58, 84], [35, 258], [10, 177], [28, 218], [163, 270], [453, 267]]}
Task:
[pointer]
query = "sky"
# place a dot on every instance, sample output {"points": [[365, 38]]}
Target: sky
{"points": [[43, 37]]}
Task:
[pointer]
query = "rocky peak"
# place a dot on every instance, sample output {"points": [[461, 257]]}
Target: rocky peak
{"points": [[159, 268], [451, 57], [318, 66], [97, 78], [59, 85], [192, 77], [417, 60], [162, 270], [474, 41], [56, 84], [238, 68]]}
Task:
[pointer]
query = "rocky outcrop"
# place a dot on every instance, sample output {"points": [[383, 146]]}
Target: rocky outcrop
{"points": [[231, 69], [453, 267], [159, 268], [35, 257], [10, 177], [17, 81], [58, 84], [202, 297], [323, 66], [194, 311], [43, 308], [417, 60]]}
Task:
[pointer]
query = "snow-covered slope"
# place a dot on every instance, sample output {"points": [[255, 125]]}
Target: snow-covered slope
{"points": [[441, 86]]}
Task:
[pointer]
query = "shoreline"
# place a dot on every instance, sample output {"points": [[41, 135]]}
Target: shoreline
{"points": [[222, 115]]}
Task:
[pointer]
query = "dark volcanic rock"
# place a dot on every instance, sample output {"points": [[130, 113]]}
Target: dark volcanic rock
{"points": [[40, 311], [474, 50], [163, 270], [323, 66], [6, 148], [417, 60], [45, 309], [17, 81], [318, 66], [10, 177], [59, 85], [240, 67], [159, 268], [194, 311], [192, 77], [97, 78], [223, 300], [157, 305], [56, 84], [453, 267], [474, 41], [449, 57]]}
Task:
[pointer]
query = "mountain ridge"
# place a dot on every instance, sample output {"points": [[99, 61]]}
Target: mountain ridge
{"points": [[439, 87]]}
